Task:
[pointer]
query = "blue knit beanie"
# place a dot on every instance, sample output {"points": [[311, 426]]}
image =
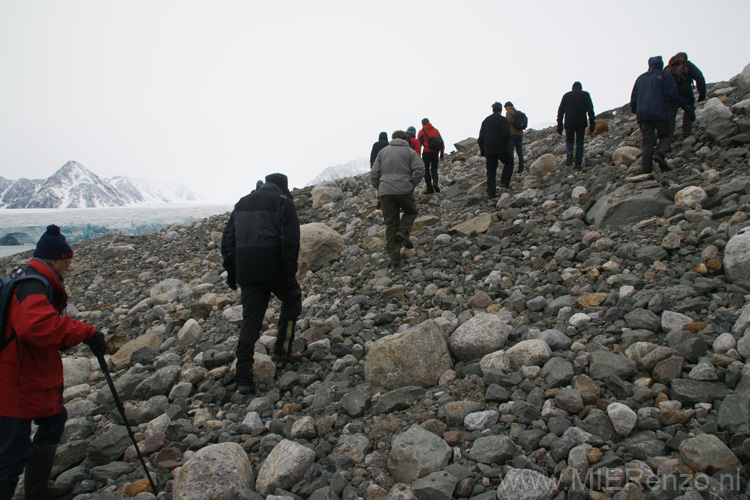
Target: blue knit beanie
{"points": [[52, 245]]}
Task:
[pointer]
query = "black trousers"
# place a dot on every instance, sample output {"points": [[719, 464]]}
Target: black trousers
{"points": [[575, 134], [431, 160], [255, 299], [651, 131], [492, 161], [392, 205]]}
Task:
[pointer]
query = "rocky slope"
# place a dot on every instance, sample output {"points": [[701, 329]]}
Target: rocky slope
{"points": [[584, 337]]}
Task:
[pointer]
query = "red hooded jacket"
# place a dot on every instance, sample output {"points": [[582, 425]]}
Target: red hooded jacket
{"points": [[31, 372], [425, 133]]}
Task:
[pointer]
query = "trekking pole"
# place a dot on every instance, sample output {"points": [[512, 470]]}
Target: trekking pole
{"points": [[118, 403]]}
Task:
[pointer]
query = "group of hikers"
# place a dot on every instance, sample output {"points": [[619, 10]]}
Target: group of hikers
{"points": [[397, 166], [260, 249]]}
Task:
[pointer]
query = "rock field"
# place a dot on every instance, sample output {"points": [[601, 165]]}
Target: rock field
{"points": [[585, 336]]}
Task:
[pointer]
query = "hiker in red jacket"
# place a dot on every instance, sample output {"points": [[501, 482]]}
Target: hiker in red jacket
{"points": [[31, 372], [430, 156], [411, 133]]}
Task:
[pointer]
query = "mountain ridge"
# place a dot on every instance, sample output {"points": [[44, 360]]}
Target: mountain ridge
{"points": [[75, 186]]}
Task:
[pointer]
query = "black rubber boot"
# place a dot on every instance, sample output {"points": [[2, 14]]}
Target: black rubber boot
{"points": [[36, 476], [285, 335], [6, 492]]}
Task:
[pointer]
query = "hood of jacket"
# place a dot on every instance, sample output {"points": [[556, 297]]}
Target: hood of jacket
{"points": [[383, 137], [655, 62], [281, 181], [428, 126]]}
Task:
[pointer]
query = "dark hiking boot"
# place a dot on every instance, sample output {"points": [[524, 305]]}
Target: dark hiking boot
{"points": [[569, 159], [36, 476], [246, 389], [402, 236], [436, 188], [662, 162], [579, 166], [6, 492]]}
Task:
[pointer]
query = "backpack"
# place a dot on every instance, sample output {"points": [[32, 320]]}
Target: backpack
{"points": [[6, 296], [678, 68], [434, 143], [520, 121]]}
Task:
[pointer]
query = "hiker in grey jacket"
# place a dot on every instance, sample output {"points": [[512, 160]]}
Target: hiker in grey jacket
{"points": [[397, 170]]}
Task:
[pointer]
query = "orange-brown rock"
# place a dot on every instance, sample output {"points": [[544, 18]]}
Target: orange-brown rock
{"points": [[140, 486]]}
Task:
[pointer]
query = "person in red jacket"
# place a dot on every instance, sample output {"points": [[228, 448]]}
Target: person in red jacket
{"points": [[429, 156], [31, 372], [411, 132]]}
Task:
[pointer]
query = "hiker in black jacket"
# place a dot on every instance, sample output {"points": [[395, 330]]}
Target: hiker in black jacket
{"points": [[382, 142], [260, 247], [493, 145], [685, 73], [571, 115]]}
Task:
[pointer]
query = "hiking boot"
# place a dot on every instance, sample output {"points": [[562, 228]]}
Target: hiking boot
{"points": [[569, 159], [429, 191], [436, 188], [286, 357], [402, 236], [396, 263], [36, 476], [579, 166], [246, 389], [662, 162]]}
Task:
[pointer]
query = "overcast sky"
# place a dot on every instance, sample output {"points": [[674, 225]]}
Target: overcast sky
{"points": [[215, 94]]}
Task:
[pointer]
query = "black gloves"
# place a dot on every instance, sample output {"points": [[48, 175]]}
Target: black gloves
{"points": [[232, 281], [701, 97], [690, 114], [560, 128], [97, 344]]}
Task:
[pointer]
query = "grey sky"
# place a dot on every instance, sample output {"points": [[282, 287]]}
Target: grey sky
{"points": [[216, 94]]}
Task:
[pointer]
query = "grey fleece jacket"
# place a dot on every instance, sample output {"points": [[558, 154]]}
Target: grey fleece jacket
{"points": [[398, 169]]}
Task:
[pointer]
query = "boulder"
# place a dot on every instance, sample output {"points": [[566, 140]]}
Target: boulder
{"points": [[417, 356], [217, 472], [284, 467], [737, 257], [417, 453], [544, 165], [716, 117], [482, 334], [620, 207], [325, 192], [626, 155], [319, 246]]}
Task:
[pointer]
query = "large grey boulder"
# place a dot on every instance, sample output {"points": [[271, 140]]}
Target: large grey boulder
{"points": [[716, 117], [737, 257], [319, 246], [707, 453], [109, 446], [532, 352], [325, 192], [482, 334], [417, 356], [417, 453], [121, 359], [543, 166], [171, 290], [160, 383], [76, 371], [216, 472], [622, 207], [284, 467]]}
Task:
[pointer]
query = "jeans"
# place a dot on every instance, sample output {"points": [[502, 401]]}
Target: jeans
{"points": [[515, 143], [392, 205], [16, 447], [651, 130], [255, 299], [431, 160], [577, 134]]}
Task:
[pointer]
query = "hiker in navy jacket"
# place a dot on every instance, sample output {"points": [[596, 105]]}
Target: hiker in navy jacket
{"points": [[382, 142], [653, 93], [575, 106], [260, 247]]}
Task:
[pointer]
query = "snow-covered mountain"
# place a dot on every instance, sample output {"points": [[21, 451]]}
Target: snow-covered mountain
{"points": [[348, 169], [74, 186]]}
